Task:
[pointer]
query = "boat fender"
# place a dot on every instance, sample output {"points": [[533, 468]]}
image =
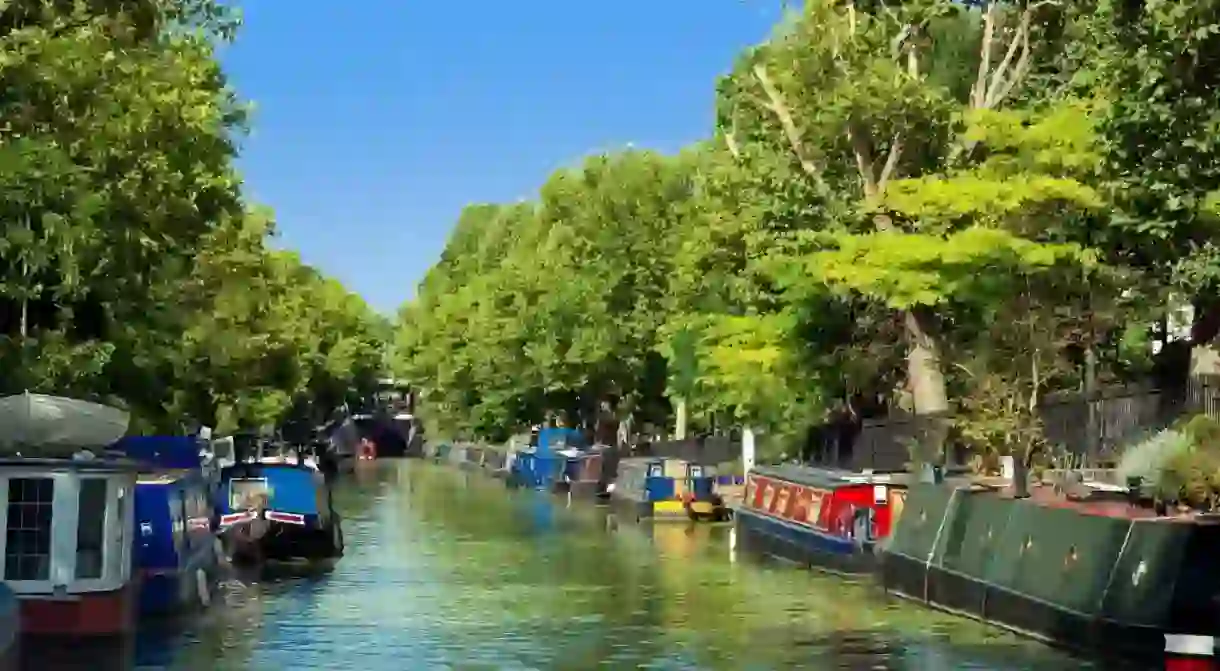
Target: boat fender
{"points": [[201, 585]]}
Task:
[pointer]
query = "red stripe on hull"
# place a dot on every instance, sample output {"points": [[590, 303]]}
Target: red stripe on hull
{"points": [[92, 614], [1175, 663]]}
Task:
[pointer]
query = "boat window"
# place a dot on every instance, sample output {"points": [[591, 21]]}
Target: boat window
{"points": [[247, 494], [91, 528], [27, 547]]}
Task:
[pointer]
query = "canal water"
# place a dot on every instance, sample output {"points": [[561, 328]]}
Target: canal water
{"points": [[449, 570]]}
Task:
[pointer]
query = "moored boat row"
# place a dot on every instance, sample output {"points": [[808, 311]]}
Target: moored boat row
{"points": [[637, 488], [104, 530], [1095, 570]]}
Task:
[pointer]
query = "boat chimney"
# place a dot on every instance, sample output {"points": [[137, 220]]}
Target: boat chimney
{"points": [[1190, 653]]}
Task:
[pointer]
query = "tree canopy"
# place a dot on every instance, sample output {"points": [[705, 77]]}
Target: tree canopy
{"points": [[132, 268], [933, 206]]}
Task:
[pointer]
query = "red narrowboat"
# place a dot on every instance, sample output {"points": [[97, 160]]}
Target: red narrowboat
{"points": [[819, 518]]}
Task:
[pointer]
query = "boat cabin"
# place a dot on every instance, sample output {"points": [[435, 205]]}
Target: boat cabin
{"points": [[664, 487], [174, 539], [278, 492], [857, 506], [536, 471], [67, 535], [69, 515]]}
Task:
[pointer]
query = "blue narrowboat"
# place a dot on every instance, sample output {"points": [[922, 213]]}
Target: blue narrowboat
{"points": [[649, 488], [277, 512], [543, 465], [176, 551]]}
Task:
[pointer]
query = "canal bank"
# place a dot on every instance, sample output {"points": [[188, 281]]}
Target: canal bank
{"points": [[447, 569]]}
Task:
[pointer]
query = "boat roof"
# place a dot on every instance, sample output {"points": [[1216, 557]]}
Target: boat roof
{"points": [[55, 426], [1106, 504], [255, 466], [831, 478], [163, 452]]}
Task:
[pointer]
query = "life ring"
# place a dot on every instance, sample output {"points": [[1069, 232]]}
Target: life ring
{"points": [[202, 587]]}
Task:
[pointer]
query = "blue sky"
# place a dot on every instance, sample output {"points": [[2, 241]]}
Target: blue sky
{"points": [[376, 121]]}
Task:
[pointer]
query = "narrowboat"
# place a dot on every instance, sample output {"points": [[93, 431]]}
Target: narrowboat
{"points": [[367, 450], [69, 517], [819, 518], [588, 473], [278, 512], [663, 489], [1096, 570], [176, 550], [399, 432], [543, 464]]}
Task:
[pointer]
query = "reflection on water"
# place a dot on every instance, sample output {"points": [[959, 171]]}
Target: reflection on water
{"points": [[448, 570]]}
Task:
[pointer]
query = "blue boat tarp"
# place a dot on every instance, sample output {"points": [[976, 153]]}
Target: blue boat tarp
{"points": [[162, 452]]}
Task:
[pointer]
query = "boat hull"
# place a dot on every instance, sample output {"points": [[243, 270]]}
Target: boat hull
{"points": [[766, 536], [1099, 584], [91, 614], [285, 542], [171, 592], [668, 510]]}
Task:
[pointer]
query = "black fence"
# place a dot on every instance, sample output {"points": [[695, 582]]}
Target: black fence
{"points": [[1092, 430], [1089, 431], [702, 450]]}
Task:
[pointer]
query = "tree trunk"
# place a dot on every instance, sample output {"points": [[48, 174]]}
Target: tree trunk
{"points": [[926, 378], [747, 449], [680, 419]]}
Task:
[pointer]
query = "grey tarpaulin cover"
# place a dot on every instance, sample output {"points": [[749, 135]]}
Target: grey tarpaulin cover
{"points": [[53, 426]]}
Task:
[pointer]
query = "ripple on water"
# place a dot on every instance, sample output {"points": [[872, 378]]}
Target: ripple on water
{"points": [[448, 570]]}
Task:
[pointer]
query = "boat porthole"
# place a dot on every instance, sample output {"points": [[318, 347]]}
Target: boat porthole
{"points": [[201, 584]]}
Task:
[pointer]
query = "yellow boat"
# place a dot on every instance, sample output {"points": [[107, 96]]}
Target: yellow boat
{"points": [[668, 489]]}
